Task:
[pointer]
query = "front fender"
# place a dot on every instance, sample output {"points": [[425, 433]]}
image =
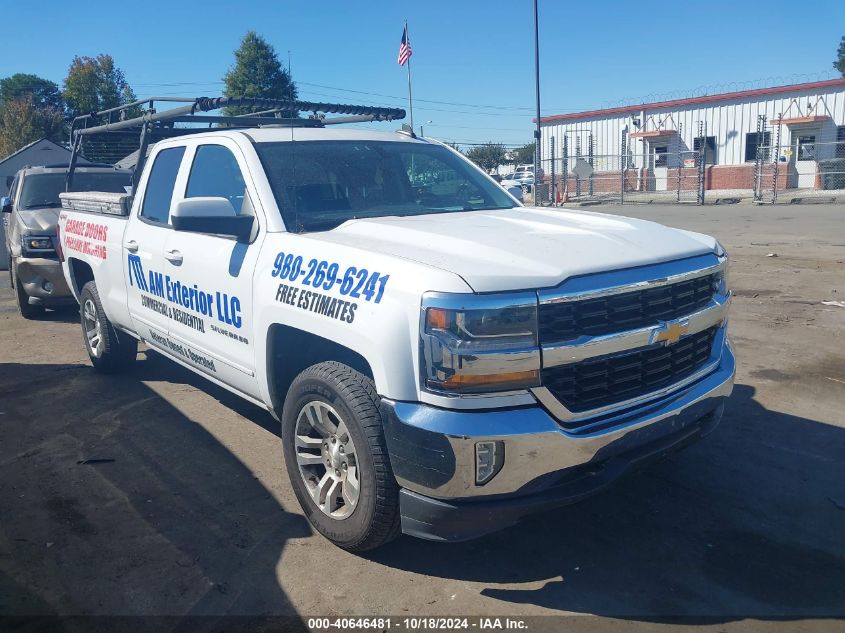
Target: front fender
{"points": [[382, 327]]}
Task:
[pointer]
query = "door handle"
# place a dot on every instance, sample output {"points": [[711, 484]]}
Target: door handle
{"points": [[174, 257], [131, 246]]}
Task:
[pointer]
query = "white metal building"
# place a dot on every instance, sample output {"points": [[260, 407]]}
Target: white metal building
{"points": [[804, 124]]}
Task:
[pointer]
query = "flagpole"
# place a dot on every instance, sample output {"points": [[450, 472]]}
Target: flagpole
{"points": [[410, 99]]}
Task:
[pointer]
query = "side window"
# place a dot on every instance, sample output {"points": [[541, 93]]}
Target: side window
{"points": [[215, 173], [159, 193]]}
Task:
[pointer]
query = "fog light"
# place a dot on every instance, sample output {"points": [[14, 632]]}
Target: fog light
{"points": [[48, 286], [489, 459]]}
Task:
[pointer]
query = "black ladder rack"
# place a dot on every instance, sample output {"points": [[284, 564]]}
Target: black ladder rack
{"points": [[141, 119]]}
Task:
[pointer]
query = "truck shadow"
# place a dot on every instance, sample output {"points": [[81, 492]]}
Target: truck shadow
{"points": [[64, 314], [750, 522], [118, 504], [153, 366]]}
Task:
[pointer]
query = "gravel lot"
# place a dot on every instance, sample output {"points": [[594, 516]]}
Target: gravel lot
{"points": [[192, 514]]}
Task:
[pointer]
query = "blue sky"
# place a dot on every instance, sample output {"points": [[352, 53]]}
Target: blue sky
{"points": [[467, 53]]}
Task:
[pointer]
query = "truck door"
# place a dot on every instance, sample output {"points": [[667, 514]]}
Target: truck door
{"points": [[143, 247], [214, 273]]}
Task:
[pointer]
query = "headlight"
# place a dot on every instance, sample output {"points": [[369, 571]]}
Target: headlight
{"points": [[37, 246], [479, 344]]}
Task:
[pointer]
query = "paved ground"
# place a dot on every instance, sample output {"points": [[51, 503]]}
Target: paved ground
{"points": [[192, 513]]}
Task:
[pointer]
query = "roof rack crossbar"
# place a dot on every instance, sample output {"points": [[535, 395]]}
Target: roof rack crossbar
{"points": [[189, 112]]}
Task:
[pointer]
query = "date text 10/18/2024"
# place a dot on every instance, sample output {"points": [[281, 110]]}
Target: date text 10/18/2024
{"points": [[408, 623]]}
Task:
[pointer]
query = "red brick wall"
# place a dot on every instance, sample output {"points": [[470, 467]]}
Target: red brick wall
{"points": [[689, 179], [603, 182], [716, 177], [742, 176]]}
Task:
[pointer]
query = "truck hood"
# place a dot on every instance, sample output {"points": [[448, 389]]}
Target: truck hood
{"points": [[39, 221], [521, 248]]}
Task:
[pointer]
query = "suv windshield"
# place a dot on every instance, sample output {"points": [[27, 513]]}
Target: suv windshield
{"points": [[42, 190], [319, 185]]}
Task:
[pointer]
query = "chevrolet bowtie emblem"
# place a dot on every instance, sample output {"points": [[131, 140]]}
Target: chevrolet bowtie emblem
{"points": [[670, 333]]}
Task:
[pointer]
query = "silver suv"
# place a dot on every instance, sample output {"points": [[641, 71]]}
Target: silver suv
{"points": [[30, 213]]}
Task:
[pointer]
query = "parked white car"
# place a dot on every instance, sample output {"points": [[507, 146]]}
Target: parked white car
{"points": [[513, 187]]}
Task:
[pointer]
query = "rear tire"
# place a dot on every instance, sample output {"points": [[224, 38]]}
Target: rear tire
{"points": [[27, 311], [110, 351], [350, 496]]}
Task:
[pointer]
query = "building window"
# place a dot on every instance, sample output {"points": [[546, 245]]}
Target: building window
{"points": [[709, 148], [840, 142], [661, 156], [751, 142], [806, 147]]}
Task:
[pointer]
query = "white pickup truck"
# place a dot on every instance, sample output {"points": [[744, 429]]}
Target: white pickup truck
{"points": [[443, 361]]}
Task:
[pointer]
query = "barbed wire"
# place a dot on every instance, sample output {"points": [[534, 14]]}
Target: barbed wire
{"points": [[723, 87]]}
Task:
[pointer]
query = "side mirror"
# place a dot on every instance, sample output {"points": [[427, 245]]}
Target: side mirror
{"points": [[516, 192], [6, 204], [211, 215]]}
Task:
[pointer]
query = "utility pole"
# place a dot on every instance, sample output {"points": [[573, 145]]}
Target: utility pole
{"points": [[537, 93]]}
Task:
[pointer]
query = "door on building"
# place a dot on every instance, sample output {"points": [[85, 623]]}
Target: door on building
{"points": [[805, 157], [660, 160]]}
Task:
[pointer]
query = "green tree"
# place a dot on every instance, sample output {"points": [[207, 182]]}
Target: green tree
{"points": [[23, 121], [523, 155], [839, 64], [454, 146], [488, 156], [45, 94], [93, 84], [257, 72]]}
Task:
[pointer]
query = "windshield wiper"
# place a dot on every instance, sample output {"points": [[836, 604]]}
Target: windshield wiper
{"points": [[487, 208]]}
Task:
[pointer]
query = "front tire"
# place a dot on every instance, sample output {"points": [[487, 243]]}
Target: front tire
{"points": [[110, 351], [27, 311], [336, 457]]}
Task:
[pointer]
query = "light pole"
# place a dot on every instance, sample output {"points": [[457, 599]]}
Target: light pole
{"points": [[421, 127], [537, 93]]}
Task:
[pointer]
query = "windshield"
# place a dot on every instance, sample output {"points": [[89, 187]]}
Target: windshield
{"points": [[42, 190], [319, 185]]}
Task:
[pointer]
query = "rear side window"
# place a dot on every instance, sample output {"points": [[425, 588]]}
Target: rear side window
{"points": [[159, 193], [215, 173]]}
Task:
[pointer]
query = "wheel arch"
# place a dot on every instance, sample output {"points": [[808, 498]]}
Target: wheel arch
{"points": [[291, 350], [80, 274]]}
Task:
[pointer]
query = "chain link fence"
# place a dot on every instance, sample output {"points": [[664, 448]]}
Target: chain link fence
{"points": [[576, 175], [797, 161]]}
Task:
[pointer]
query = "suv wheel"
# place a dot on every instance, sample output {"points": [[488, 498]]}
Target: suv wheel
{"points": [[336, 457], [27, 311], [110, 351]]}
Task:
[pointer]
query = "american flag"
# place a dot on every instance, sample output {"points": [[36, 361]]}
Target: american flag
{"points": [[404, 48]]}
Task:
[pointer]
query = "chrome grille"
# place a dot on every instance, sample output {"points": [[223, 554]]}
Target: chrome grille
{"points": [[603, 381], [568, 320]]}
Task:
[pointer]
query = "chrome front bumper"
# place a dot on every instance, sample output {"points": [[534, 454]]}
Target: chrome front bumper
{"points": [[432, 450]]}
